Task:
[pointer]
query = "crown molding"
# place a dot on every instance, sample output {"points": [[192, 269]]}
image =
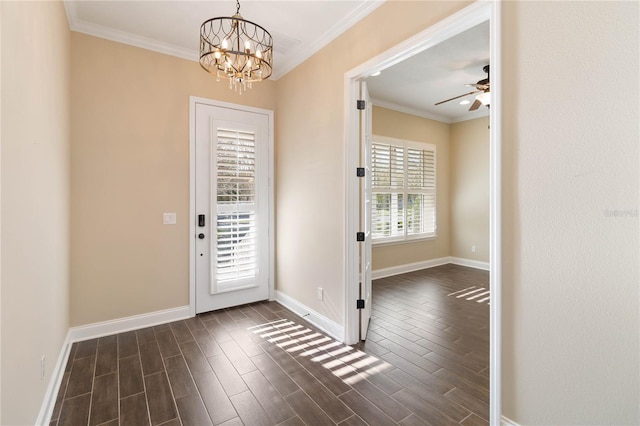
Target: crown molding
{"points": [[412, 111], [305, 52], [300, 55]]}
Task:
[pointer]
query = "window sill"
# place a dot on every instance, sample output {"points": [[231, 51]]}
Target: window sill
{"points": [[404, 241]]}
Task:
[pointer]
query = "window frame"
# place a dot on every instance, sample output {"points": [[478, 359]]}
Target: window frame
{"points": [[406, 190]]}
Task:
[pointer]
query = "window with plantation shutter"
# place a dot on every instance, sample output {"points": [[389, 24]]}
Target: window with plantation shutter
{"points": [[403, 184], [235, 261]]}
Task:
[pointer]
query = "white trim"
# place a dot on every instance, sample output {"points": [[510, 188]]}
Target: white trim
{"points": [[469, 263], [304, 53], [128, 38], [330, 327], [286, 65], [505, 421], [409, 267], [50, 396], [411, 111], [193, 100], [120, 325], [495, 215], [474, 14]]}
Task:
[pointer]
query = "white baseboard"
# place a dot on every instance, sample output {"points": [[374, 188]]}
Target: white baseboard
{"points": [[470, 263], [409, 267], [99, 329], [105, 328], [330, 327], [504, 421], [49, 401]]}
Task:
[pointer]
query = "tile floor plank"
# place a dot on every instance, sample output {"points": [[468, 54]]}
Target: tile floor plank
{"points": [[133, 410], [268, 397], [215, 399], [250, 410], [75, 411], [81, 379], [192, 411], [104, 399], [159, 398], [130, 376]]}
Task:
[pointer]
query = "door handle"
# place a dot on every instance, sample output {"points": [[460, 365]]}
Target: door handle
{"points": [[201, 236], [200, 220]]}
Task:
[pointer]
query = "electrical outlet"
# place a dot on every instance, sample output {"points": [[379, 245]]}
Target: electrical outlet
{"points": [[320, 294], [473, 249], [42, 367]]}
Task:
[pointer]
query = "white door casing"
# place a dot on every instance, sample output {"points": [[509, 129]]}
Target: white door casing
{"points": [[231, 239], [466, 18], [365, 209]]}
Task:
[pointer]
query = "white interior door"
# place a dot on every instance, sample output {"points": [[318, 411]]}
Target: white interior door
{"points": [[365, 210], [231, 241]]}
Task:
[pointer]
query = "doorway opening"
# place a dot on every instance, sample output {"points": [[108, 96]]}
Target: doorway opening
{"points": [[467, 18]]}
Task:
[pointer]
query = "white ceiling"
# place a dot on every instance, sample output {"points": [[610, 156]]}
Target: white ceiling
{"points": [[436, 74], [299, 28]]}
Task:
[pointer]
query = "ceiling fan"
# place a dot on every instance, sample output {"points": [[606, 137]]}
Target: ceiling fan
{"points": [[483, 88]]}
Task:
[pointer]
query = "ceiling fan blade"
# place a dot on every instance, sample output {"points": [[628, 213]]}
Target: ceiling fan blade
{"points": [[483, 87], [475, 105], [458, 97]]}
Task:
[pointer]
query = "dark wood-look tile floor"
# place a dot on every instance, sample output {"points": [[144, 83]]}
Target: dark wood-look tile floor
{"points": [[425, 362]]}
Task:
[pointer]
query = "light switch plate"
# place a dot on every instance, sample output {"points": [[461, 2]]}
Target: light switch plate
{"points": [[169, 218]]}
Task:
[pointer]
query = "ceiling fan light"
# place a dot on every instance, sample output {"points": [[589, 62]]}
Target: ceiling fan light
{"points": [[484, 97], [465, 102]]}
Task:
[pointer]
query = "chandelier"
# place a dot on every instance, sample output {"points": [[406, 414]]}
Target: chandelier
{"points": [[236, 49]]}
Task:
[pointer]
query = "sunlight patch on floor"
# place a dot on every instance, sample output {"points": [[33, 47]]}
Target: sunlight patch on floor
{"points": [[349, 364]]}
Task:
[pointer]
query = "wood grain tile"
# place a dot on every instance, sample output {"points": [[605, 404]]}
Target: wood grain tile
{"points": [[192, 411], [238, 358], [167, 343], [107, 358], [249, 410], [86, 348], [146, 335], [268, 397], [127, 344], [334, 407], [150, 358], [276, 375], [425, 362], [75, 411], [179, 377], [104, 399], [81, 379], [227, 374], [216, 401], [365, 409], [208, 345], [181, 331], [159, 398], [196, 361], [133, 410], [308, 410], [130, 376]]}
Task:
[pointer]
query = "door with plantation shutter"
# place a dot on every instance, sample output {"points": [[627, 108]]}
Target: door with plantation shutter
{"points": [[232, 207]]}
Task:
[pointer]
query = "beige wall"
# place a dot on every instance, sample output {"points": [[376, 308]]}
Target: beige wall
{"points": [[570, 279], [35, 201], [570, 312], [129, 164], [310, 153], [410, 127], [469, 195]]}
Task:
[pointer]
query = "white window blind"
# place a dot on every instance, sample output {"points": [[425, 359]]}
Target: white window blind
{"points": [[236, 250], [403, 189]]}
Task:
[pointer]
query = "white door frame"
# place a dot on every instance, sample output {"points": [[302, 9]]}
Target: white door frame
{"points": [[470, 16], [193, 101]]}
